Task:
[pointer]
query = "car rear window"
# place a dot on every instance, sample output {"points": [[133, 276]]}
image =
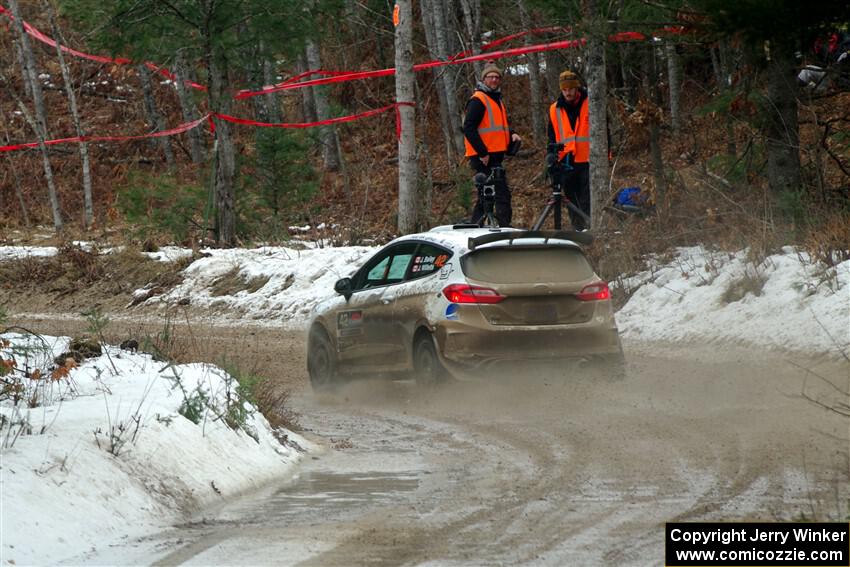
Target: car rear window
{"points": [[519, 265]]}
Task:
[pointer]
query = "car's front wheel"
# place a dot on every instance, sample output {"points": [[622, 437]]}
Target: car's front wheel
{"points": [[321, 361], [427, 368]]}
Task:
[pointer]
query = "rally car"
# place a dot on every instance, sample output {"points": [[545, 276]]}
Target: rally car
{"points": [[456, 300]]}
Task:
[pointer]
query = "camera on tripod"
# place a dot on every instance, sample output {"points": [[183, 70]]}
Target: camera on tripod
{"points": [[553, 164], [486, 184]]}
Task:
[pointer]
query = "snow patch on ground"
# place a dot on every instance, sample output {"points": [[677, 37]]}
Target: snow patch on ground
{"points": [[784, 302], [107, 454]]}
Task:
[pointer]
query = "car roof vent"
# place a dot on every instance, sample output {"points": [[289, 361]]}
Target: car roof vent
{"points": [[579, 237], [466, 225]]}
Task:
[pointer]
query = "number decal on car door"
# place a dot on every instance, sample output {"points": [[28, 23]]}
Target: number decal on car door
{"points": [[350, 323]]}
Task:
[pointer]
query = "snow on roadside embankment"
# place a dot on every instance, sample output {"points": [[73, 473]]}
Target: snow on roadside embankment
{"points": [[785, 302], [267, 286], [118, 447]]}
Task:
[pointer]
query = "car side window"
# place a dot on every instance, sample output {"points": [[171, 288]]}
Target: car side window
{"points": [[427, 260], [387, 267], [398, 267], [379, 272]]}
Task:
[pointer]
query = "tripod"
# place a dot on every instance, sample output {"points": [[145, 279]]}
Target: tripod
{"points": [[486, 185], [557, 198]]}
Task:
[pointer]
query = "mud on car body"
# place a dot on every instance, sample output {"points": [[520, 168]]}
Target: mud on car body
{"points": [[459, 300]]}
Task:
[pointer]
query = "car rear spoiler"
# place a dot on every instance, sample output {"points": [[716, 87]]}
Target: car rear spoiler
{"points": [[579, 237]]}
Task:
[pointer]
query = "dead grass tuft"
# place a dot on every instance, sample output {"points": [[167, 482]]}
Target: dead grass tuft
{"points": [[233, 282], [751, 282], [273, 403], [829, 242]]}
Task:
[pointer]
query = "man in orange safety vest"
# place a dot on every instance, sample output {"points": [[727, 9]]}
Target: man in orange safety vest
{"points": [[488, 138], [569, 125]]}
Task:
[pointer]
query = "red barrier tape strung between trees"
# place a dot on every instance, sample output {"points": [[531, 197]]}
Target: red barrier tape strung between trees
{"points": [[286, 85], [176, 130], [34, 32], [209, 118], [341, 76], [328, 122]]}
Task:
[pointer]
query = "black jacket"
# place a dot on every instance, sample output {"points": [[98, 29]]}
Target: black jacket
{"points": [[475, 111]]}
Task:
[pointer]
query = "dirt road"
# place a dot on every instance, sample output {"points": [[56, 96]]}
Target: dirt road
{"points": [[526, 470]]}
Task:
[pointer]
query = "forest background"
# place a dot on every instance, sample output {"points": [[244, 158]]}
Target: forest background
{"points": [[704, 114]]}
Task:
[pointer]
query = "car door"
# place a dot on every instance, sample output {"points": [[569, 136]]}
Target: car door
{"points": [[364, 327], [412, 295]]}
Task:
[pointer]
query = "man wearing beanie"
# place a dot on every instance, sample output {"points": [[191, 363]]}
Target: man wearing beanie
{"points": [[569, 125], [488, 137]]}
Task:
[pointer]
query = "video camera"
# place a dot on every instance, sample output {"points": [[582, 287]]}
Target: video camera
{"points": [[552, 164], [486, 184]]}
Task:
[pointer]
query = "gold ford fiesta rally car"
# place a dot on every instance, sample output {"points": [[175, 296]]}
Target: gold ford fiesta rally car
{"points": [[457, 299]]}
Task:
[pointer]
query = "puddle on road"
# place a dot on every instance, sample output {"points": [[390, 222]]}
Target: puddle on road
{"points": [[325, 492], [318, 495]]}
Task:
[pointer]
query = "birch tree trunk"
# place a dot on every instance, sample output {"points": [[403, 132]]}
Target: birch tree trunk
{"points": [[404, 93], [39, 124], [430, 38], [472, 19], [88, 207], [154, 117], [188, 108], [538, 126], [441, 35], [597, 86], [327, 135], [308, 102], [271, 99], [674, 74]]}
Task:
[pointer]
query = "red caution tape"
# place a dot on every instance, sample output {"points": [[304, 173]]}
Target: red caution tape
{"points": [[328, 122], [77, 139], [568, 44], [209, 118], [342, 76], [500, 41], [32, 31]]}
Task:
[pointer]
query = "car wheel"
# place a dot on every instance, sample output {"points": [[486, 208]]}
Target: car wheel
{"points": [[427, 368], [321, 361]]}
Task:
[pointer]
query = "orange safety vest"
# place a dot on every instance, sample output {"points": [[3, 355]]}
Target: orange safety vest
{"points": [[493, 129], [576, 141]]}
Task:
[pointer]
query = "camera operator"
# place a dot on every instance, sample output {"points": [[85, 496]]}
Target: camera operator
{"points": [[488, 138], [569, 125]]}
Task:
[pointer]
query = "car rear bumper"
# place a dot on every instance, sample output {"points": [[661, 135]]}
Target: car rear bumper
{"points": [[475, 347]]}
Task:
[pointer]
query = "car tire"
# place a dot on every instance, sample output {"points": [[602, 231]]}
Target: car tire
{"points": [[321, 361], [427, 368]]}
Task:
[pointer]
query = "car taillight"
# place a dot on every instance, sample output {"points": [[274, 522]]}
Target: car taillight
{"points": [[463, 293], [594, 292]]}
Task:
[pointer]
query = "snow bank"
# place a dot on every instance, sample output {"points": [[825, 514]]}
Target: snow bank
{"points": [[785, 302], [107, 454]]}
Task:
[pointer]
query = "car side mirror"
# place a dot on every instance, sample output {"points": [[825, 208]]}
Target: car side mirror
{"points": [[343, 287]]}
